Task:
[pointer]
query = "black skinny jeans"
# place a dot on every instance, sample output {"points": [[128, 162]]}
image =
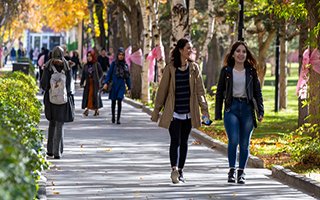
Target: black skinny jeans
{"points": [[179, 132]]}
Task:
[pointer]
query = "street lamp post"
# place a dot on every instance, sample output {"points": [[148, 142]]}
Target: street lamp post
{"points": [[277, 69], [241, 25]]}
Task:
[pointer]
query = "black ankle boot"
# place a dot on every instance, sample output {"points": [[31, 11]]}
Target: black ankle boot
{"points": [[232, 175], [181, 178], [241, 179]]}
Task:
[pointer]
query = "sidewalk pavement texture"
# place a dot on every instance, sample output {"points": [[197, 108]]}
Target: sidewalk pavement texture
{"points": [[102, 160]]}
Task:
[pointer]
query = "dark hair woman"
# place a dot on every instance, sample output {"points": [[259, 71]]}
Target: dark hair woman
{"points": [[91, 81], [181, 93], [239, 88]]}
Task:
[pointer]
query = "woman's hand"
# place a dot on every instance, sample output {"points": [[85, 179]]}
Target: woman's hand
{"points": [[260, 118], [129, 93], [105, 87], [57, 62]]}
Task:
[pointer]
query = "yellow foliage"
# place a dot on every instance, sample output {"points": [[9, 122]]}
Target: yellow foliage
{"points": [[60, 15]]}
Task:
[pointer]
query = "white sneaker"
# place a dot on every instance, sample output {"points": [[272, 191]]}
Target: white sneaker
{"points": [[175, 176]]}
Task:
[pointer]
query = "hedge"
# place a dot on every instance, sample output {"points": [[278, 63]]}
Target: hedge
{"points": [[22, 155]]}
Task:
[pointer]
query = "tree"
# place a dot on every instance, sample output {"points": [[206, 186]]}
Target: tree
{"points": [[133, 13], [147, 33], [179, 16], [157, 36], [313, 7], [101, 21]]}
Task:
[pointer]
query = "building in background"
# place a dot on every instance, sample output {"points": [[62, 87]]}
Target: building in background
{"points": [[47, 38]]}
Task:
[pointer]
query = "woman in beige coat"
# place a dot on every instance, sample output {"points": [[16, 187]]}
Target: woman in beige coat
{"points": [[180, 94]]}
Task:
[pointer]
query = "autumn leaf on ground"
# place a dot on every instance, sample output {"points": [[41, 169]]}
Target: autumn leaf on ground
{"points": [[81, 146], [52, 183], [56, 193], [108, 149], [196, 142]]}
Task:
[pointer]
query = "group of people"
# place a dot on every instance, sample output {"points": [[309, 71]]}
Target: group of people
{"points": [[96, 79], [180, 98], [92, 80]]}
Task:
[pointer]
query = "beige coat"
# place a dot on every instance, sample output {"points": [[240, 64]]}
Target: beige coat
{"points": [[166, 97]]}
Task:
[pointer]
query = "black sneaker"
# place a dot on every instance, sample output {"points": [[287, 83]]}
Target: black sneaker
{"points": [[241, 179], [232, 175], [50, 154], [57, 157], [174, 176], [181, 178]]}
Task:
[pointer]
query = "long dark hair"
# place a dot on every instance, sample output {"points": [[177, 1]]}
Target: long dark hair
{"points": [[176, 55], [229, 59]]}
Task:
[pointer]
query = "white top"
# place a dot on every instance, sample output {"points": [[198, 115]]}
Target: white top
{"points": [[239, 83], [181, 116]]}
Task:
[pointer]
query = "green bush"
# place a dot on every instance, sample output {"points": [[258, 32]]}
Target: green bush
{"points": [[303, 145], [15, 179], [22, 151]]}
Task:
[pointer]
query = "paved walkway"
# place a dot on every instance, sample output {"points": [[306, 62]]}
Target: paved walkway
{"points": [[102, 160]]}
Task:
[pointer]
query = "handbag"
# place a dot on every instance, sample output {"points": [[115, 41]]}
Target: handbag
{"points": [[69, 117], [109, 88]]}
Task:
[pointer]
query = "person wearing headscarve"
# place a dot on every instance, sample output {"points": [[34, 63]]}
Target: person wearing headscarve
{"points": [[57, 115], [119, 75], [91, 81]]}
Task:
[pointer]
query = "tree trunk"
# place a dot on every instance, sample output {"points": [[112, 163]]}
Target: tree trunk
{"points": [[303, 111], [91, 24], [190, 8], [211, 20], [157, 37], [123, 33], [136, 70], [179, 15], [263, 49], [213, 64], [147, 32], [314, 79], [99, 13], [283, 67]]}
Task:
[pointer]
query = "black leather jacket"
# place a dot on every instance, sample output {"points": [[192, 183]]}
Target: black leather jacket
{"points": [[225, 87]]}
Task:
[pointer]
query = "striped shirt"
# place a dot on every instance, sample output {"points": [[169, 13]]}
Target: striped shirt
{"points": [[182, 100]]}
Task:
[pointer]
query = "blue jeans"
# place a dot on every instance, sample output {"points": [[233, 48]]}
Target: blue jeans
{"points": [[238, 122]]}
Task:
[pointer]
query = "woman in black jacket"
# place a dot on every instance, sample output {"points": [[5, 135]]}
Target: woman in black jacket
{"points": [[60, 113], [239, 88]]}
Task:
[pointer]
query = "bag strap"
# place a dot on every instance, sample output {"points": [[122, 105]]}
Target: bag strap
{"points": [[96, 69], [56, 71], [54, 68]]}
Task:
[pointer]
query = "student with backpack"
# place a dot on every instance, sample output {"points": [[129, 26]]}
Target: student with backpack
{"points": [[58, 100]]}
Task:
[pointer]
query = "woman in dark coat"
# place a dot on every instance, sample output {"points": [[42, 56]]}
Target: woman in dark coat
{"points": [[91, 81], [57, 114], [120, 76]]}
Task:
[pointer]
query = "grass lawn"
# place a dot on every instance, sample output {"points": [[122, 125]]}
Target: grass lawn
{"points": [[267, 140]]}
